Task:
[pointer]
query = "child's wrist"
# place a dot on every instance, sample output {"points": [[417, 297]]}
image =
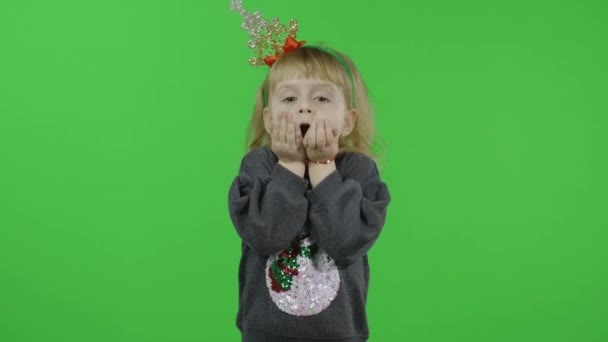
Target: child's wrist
{"points": [[291, 162], [297, 167]]}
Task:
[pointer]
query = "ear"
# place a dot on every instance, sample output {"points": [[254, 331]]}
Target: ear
{"points": [[267, 120], [349, 121]]}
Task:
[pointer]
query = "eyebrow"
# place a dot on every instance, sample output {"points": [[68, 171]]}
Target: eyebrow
{"points": [[315, 86]]}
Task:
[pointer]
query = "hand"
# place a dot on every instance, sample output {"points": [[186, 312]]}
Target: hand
{"points": [[286, 139], [321, 142]]}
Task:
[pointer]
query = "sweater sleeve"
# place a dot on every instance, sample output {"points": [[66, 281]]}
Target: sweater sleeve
{"points": [[266, 203], [347, 212]]}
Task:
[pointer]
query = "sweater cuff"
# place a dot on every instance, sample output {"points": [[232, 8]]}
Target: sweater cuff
{"points": [[289, 180], [321, 195]]}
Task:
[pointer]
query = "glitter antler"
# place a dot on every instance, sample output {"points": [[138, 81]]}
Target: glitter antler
{"points": [[269, 40]]}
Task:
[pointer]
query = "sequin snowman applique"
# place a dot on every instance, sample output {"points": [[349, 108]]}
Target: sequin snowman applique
{"points": [[302, 279]]}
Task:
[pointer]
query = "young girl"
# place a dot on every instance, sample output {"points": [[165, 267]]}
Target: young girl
{"points": [[308, 203]]}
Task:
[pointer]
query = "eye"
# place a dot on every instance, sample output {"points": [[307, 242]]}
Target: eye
{"points": [[322, 99], [289, 99]]}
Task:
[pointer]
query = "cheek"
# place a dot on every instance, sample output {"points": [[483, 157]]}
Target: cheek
{"points": [[335, 123], [280, 107]]}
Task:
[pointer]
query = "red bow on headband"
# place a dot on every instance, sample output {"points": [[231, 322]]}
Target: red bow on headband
{"points": [[290, 45]]}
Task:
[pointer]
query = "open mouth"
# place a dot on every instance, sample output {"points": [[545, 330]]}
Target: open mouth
{"points": [[304, 128]]}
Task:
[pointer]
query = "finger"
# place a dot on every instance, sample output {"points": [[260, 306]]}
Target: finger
{"points": [[291, 134], [298, 134], [321, 135], [328, 136], [275, 127], [283, 134]]}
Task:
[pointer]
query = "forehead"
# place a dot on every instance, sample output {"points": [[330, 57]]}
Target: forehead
{"points": [[312, 83]]}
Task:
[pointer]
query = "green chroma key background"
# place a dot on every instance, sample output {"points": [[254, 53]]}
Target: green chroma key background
{"points": [[122, 125]]}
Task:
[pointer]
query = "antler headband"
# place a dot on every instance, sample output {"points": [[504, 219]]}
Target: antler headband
{"points": [[266, 39]]}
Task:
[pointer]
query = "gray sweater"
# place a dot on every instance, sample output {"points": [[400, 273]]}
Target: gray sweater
{"points": [[278, 215]]}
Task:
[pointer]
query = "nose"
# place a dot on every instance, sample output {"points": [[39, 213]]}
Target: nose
{"points": [[305, 109]]}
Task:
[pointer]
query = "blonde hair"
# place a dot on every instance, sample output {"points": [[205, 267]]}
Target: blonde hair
{"points": [[310, 62]]}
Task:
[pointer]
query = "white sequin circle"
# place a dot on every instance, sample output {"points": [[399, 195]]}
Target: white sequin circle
{"points": [[313, 288]]}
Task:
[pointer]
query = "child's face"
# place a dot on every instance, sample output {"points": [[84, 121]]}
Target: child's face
{"points": [[309, 100]]}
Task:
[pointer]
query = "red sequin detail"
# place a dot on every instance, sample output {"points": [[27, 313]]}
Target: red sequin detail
{"points": [[274, 284], [287, 270]]}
